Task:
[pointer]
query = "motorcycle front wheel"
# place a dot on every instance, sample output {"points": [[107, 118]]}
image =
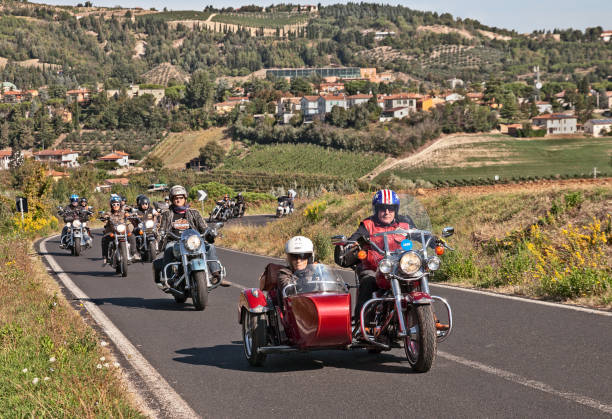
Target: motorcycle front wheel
{"points": [[123, 263], [151, 253], [253, 337], [199, 290], [420, 343], [76, 248]]}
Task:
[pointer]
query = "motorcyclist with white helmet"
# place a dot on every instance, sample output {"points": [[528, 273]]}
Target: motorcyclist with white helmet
{"points": [[177, 218], [300, 257]]}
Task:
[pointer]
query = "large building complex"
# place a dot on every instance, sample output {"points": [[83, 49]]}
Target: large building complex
{"points": [[340, 72]]}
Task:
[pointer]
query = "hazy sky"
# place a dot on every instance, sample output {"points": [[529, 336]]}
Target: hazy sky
{"points": [[522, 15]]}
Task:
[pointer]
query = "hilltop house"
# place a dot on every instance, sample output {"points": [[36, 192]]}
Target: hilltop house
{"points": [[394, 113], [230, 104], [598, 127], [135, 91], [118, 157], [65, 158], [606, 36], [286, 107], [309, 106], [476, 97], [401, 100], [78, 95], [357, 99], [108, 184], [556, 123], [327, 102], [18, 96]]}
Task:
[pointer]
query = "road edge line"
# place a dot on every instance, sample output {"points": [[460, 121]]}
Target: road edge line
{"points": [[170, 402]]}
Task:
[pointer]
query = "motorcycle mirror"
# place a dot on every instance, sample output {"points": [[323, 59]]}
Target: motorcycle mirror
{"points": [[448, 231], [339, 240]]}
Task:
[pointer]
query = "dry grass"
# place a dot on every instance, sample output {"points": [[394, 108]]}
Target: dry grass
{"points": [[178, 148], [51, 362]]}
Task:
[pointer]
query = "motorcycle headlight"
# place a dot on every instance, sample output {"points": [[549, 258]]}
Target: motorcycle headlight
{"points": [[76, 223], [385, 266], [149, 224], [433, 263], [120, 228], [410, 263], [68, 224], [193, 243]]}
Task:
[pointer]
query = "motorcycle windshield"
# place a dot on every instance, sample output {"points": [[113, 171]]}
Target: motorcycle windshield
{"points": [[411, 226], [318, 278]]}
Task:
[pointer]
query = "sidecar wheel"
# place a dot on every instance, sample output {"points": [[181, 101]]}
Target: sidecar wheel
{"points": [[199, 290], [253, 337], [420, 344]]}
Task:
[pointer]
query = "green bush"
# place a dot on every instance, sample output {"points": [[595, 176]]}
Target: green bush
{"points": [[258, 197], [214, 190]]}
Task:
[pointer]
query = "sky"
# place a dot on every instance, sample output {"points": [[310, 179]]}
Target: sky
{"points": [[521, 15]]}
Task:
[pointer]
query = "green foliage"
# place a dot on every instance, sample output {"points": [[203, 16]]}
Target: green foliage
{"points": [[200, 90], [211, 155], [261, 20], [214, 190]]}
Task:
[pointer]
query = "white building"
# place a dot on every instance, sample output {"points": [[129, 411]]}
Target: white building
{"points": [[544, 107], [596, 126], [606, 36], [5, 158], [357, 99], [65, 158], [118, 157], [454, 97], [401, 100], [327, 102], [389, 114], [556, 123], [309, 106]]}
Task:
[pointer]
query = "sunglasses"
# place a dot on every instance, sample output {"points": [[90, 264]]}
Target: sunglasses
{"points": [[115, 204], [300, 255], [390, 208]]}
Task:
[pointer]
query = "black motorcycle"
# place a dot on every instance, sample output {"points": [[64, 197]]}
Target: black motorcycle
{"points": [[76, 235], [146, 239], [119, 247]]}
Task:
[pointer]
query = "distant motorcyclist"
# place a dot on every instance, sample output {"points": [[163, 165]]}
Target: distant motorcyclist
{"points": [[176, 219], [300, 255], [144, 210], [72, 210], [239, 203], [385, 207], [116, 215], [86, 211]]}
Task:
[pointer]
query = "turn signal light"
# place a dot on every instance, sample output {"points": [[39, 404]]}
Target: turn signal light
{"points": [[362, 255], [112, 236], [140, 232], [439, 250], [129, 234]]}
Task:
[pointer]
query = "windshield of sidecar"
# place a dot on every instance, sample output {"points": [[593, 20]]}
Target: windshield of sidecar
{"points": [[413, 226], [318, 278]]}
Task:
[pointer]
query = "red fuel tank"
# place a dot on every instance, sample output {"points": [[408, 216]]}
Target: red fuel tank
{"points": [[317, 319]]}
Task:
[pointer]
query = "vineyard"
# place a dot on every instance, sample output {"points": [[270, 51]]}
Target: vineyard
{"points": [[178, 148], [461, 56], [263, 20], [135, 143], [176, 15], [304, 159], [478, 160], [163, 73]]}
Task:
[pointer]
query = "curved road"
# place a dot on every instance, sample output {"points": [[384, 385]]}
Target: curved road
{"points": [[507, 357]]}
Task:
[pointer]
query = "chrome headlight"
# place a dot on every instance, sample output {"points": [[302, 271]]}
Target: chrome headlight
{"points": [[76, 223], [385, 266], [410, 263], [68, 224], [120, 228], [149, 224], [193, 243], [433, 263]]}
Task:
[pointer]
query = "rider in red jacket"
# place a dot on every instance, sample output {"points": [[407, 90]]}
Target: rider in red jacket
{"points": [[385, 208]]}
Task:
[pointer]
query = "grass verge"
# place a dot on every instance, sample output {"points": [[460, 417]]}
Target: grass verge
{"points": [[551, 243], [51, 363]]}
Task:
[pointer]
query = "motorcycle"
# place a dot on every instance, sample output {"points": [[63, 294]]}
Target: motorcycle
{"points": [[76, 234], [315, 313], [221, 212], [189, 276], [119, 247], [284, 207], [146, 239], [238, 209]]}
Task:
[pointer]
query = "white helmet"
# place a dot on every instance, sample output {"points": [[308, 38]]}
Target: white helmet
{"points": [[298, 245]]}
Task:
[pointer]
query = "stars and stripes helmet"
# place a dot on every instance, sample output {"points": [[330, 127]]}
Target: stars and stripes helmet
{"points": [[74, 198], [385, 197]]}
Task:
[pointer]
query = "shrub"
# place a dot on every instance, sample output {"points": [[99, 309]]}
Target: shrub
{"points": [[314, 211], [214, 190]]}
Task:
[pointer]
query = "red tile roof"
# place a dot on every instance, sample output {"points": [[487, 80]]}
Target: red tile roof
{"points": [[7, 152], [78, 91], [333, 97], [54, 152], [555, 116], [311, 98], [120, 180], [359, 97], [114, 156], [403, 96], [55, 173]]}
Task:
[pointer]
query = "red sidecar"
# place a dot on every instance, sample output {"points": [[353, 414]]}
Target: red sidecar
{"points": [[314, 313]]}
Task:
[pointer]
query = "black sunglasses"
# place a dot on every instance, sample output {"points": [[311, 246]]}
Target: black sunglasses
{"points": [[300, 255], [390, 208]]}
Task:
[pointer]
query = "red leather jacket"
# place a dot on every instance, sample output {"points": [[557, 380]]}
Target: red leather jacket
{"points": [[371, 226]]}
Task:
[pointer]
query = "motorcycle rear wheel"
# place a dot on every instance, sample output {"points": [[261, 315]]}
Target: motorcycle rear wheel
{"points": [[76, 249], [253, 337], [199, 290], [150, 256], [420, 343]]}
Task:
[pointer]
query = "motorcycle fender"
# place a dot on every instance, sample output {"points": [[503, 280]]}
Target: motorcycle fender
{"points": [[418, 297], [197, 265], [252, 300]]}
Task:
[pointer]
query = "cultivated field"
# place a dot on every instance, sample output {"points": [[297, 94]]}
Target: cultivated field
{"points": [[484, 157], [305, 159], [178, 148]]}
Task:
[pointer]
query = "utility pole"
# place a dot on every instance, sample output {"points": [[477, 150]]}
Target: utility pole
{"points": [[594, 172], [538, 83]]}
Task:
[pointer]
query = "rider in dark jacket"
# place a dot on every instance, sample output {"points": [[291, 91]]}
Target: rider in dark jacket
{"points": [[116, 215], [72, 211], [176, 219]]}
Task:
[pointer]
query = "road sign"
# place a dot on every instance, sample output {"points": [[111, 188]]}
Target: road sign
{"points": [[22, 205], [202, 195]]}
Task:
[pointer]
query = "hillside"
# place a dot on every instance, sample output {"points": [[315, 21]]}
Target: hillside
{"points": [[125, 45], [178, 148]]}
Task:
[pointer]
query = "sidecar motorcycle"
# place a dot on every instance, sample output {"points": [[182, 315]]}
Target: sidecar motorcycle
{"points": [[315, 312]]}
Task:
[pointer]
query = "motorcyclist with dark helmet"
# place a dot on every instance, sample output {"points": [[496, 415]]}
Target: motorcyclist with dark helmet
{"points": [[176, 219], [239, 203], [86, 211], [72, 210], [144, 209], [116, 215], [385, 217]]}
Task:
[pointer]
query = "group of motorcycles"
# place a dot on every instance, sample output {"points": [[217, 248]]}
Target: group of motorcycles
{"points": [[315, 312], [187, 276], [227, 209]]}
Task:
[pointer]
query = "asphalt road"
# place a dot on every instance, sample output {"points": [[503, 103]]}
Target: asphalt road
{"points": [[506, 357]]}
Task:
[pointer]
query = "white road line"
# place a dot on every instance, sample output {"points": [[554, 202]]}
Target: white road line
{"points": [[525, 300], [172, 405], [536, 385]]}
